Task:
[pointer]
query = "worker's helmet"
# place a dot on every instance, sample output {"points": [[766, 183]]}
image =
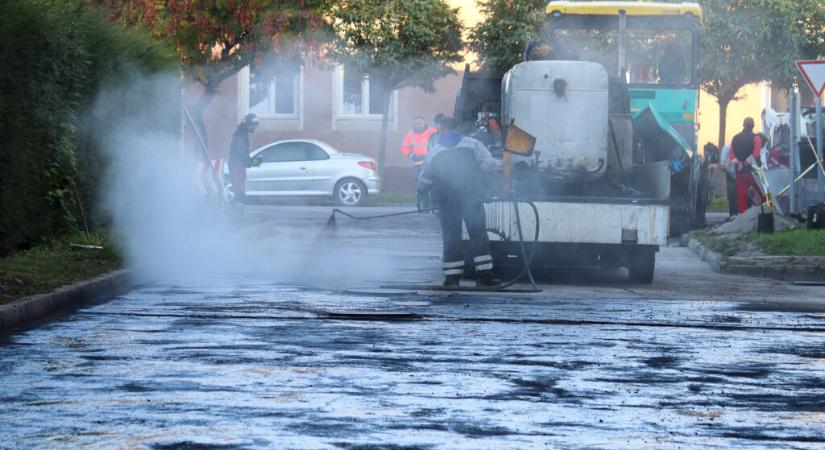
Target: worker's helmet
{"points": [[250, 120]]}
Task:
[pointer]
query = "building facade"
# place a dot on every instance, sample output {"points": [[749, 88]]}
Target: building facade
{"points": [[329, 104]]}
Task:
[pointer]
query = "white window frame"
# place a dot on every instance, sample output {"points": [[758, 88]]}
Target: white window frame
{"points": [[364, 120], [271, 120]]}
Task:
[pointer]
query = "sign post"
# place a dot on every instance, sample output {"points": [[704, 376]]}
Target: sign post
{"points": [[814, 73]]}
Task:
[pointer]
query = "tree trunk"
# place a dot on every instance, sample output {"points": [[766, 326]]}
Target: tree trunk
{"points": [[382, 146], [723, 120]]}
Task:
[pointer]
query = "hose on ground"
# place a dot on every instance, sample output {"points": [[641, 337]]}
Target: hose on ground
{"points": [[526, 258]]}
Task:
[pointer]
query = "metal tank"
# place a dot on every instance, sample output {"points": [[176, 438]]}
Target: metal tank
{"points": [[564, 105]]}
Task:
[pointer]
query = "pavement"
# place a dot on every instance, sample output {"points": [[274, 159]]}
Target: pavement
{"points": [[304, 350]]}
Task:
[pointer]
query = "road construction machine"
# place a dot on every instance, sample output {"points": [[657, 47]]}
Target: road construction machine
{"points": [[607, 94]]}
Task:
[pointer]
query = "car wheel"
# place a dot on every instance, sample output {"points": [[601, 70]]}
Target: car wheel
{"points": [[350, 192]]}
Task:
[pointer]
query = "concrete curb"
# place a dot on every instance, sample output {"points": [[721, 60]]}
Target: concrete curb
{"points": [[784, 268], [27, 310], [712, 258]]}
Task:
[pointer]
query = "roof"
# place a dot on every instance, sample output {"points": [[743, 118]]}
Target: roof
{"points": [[630, 8]]}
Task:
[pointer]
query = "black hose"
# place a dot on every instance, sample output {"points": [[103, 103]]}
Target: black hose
{"points": [[527, 259], [381, 216]]}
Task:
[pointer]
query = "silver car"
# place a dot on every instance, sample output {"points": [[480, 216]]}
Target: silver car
{"points": [[310, 168]]}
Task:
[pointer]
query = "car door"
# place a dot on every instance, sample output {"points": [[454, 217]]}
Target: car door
{"points": [[285, 169], [325, 170]]}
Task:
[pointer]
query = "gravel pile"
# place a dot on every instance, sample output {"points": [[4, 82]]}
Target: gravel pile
{"points": [[746, 223]]}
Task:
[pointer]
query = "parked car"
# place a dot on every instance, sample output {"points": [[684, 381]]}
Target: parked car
{"points": [[310, 168]]}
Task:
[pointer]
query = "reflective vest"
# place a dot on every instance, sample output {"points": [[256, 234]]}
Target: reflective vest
{"points": [[417, 142]]}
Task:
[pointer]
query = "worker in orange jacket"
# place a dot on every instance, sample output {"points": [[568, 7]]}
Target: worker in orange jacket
{"points": [[414, 147]]}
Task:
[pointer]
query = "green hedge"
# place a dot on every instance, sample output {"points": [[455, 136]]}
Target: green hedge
{"points": [[56, 56]]}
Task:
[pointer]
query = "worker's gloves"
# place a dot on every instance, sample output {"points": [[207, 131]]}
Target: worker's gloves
{"points": [[415, 158], [256, 162]]}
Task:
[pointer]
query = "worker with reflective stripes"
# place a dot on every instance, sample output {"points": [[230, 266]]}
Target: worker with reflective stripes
{"points": [[454, 171], [746, 151]]}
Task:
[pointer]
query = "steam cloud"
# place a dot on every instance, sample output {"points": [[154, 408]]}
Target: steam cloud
{"points": [[165, 228]]}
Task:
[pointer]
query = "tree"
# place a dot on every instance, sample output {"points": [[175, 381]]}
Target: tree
{"points": [[500, 39], [215, 39], [57, 57], [808, 23], [744, 42], [397, 44]]}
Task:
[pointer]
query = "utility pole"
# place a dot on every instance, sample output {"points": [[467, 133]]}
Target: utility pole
{"points": [[814, 73], [793, 113], [820, 177]]}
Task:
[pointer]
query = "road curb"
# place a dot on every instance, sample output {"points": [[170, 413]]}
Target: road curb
{"points": [[27, 310], [784, 268], [709, 256]]}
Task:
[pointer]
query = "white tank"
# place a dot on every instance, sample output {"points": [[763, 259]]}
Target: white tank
{"points": [[564, 105]]}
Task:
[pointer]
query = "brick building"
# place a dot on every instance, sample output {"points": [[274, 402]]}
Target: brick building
{"points": [[329, 104]]}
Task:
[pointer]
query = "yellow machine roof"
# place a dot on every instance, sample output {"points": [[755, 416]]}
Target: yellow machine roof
{"points": [[630, 8]]}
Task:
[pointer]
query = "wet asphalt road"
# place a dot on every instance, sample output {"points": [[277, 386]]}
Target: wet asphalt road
{"points": [[252, 361]]}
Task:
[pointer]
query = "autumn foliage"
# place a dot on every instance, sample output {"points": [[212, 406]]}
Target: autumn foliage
{"points": [[217, 38]]}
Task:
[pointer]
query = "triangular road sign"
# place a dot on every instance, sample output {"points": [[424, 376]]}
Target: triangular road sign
{"points": [[814, 73]]}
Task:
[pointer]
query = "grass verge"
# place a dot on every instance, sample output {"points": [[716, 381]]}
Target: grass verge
{"points": [[51, 265], [725, 245], [799, 242]]}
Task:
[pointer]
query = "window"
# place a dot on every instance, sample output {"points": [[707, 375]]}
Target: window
{"points": [[276, 98], [652, 56], [659, 57], [274, 95], [359, 97], [315, 153], [353, 92], [587, 44], [285, 152]]}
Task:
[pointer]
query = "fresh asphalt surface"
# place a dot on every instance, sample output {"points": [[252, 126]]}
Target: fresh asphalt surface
{"points": [[251, 360]]}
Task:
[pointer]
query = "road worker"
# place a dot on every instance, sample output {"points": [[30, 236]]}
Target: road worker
{"points": [[746, 150], [454, 172], [239, 159], [415, 147]]}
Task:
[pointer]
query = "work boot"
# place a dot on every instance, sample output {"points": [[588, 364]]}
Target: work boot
{"points": [[486, 279], [452, 281]]}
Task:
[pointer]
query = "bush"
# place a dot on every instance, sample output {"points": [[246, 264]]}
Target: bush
{"points": [[56, 56]]}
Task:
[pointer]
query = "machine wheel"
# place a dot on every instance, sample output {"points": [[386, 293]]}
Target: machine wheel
{"points": [[350, 192], [641, 266]]}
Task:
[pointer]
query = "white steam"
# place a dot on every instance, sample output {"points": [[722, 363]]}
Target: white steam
{"points": [[166, 229]]}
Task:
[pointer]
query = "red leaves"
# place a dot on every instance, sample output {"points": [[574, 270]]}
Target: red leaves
{"points": [[200, 29]]}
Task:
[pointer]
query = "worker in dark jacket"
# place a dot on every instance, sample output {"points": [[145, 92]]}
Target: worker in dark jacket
{"points": [[454, 171], [745, 152], [239, 159]]}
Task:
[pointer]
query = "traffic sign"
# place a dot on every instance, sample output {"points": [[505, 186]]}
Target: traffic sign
{"points": [[814, 73]]}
